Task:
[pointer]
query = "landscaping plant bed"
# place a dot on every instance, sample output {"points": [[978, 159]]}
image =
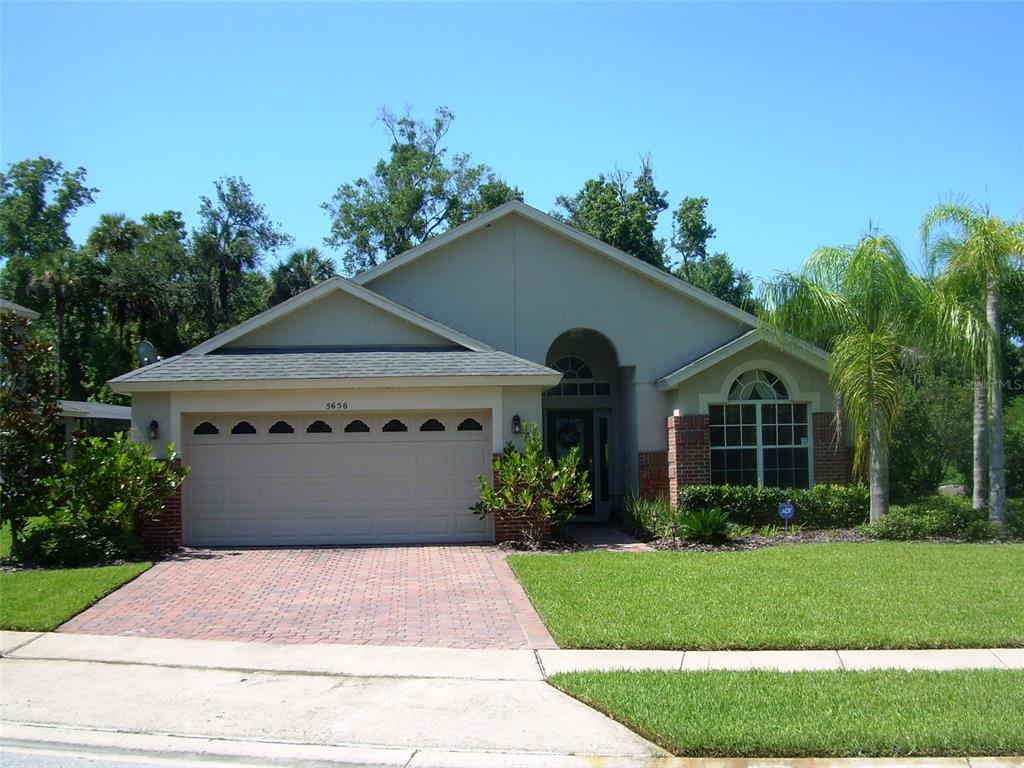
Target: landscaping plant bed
{"points": [[884, 713], [759, 541], [801, 536]]}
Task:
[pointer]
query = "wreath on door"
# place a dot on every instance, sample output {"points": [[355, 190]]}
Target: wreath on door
{"points": [[568, 435]]}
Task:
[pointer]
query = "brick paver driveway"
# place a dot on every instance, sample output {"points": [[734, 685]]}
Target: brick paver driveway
{"points": [[454, 597]]}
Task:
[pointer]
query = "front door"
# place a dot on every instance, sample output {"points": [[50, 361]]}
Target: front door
{"points": [[574, 429]]}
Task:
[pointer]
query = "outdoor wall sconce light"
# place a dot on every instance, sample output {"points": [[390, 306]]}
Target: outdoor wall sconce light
{"points": [[154, 430], [517, 425]]}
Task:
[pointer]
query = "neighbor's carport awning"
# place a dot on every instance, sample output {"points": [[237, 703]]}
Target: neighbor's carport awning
{"points": [[320, 369]]}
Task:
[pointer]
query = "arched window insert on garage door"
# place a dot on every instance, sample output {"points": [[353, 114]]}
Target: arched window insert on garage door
{"points": [[577, 379], [243, 428], [206, 428], [470, 425], [760, 437], [356, 426], [395, 426], [319, 427], [431, 425], [281, 428]]}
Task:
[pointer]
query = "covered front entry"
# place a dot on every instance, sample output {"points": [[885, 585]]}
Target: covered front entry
{"points": [[334, 478], [582, 411]]}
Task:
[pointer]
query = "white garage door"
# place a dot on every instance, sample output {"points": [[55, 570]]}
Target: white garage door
{"points": [[342, 478]]}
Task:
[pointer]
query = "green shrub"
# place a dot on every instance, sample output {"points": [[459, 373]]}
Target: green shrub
{"points": [[823, 506], [95, 504], [941, 516], [533, 491], [648, 517], [61, 541], [1015, 518], [706, 525]]}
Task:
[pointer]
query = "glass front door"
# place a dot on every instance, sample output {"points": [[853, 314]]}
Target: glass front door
{"points": [[574, 429]]}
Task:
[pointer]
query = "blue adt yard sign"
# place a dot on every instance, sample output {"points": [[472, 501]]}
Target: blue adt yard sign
{"points": [[787, 510]]}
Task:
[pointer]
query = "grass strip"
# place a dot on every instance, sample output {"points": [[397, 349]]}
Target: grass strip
{"points": [[888, 713]]}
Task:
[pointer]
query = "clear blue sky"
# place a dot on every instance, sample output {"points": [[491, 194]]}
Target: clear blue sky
{"points": [[800, 122]]}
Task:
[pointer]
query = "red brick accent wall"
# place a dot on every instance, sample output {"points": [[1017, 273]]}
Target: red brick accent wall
{"points": [[689, 452], [164, 533], [505, 529], [832, 458], [653, 474]]}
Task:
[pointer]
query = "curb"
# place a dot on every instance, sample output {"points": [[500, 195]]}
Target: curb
{"points": [[69, 742]]}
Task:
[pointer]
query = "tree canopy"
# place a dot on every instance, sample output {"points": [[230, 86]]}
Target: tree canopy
{"points": [[621, 214], [420, 190]]}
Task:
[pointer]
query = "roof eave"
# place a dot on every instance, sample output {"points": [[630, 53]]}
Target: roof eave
{"points": [[543, 380], [801, 350]]}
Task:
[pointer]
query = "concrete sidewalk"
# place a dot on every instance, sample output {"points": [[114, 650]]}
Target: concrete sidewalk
{"points": [[264, 704], [469, 664]]}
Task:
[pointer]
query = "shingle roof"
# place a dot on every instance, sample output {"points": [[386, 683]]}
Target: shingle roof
{"points": [[334, 365]]}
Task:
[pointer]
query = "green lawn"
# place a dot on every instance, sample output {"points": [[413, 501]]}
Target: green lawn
{"points": [[43, 600], [885, 713], [877, 595]]}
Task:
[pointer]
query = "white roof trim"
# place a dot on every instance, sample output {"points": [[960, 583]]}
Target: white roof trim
{"points": [[17, 309], [801, 350], [542, 380], [345, 286], [553, 224]]}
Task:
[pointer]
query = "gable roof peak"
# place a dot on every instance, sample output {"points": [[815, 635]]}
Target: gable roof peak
{"points": [[330, 285], [559, 227]]}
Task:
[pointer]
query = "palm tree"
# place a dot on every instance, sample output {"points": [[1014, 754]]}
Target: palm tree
{"points": [[53, 273], [980, 254], [301, 270], [862, 303]]}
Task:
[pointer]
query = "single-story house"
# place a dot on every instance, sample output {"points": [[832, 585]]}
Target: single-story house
{"points": [[364, 410]]}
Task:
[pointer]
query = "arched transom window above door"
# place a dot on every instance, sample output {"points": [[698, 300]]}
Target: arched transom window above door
{"points": [[759, 436], [577, 379]]}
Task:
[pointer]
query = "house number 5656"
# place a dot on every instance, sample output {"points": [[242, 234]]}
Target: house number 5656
{"points": [[337, 405]]}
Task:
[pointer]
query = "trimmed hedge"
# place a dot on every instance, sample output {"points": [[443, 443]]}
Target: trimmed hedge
{"points": [[946, 517], [823, 506]]}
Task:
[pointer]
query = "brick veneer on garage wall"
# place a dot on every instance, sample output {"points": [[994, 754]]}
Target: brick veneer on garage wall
{"points": [[164, 533]]}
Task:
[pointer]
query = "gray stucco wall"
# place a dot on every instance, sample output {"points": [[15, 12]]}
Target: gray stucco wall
{"points": [[518, 286], [805, 383], [338, 319]]}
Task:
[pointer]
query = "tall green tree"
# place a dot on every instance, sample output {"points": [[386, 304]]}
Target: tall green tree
{"points": [[980, 256], [690, 233], [37, 199], [714, 273], [234, 235], [621, 214], [863, 304], [720, 277], [113, 240], [301, 270], [418, 191], [29, 422]]}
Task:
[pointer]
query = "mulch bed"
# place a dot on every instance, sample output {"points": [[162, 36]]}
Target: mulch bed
{"points": [[757, 541]]}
